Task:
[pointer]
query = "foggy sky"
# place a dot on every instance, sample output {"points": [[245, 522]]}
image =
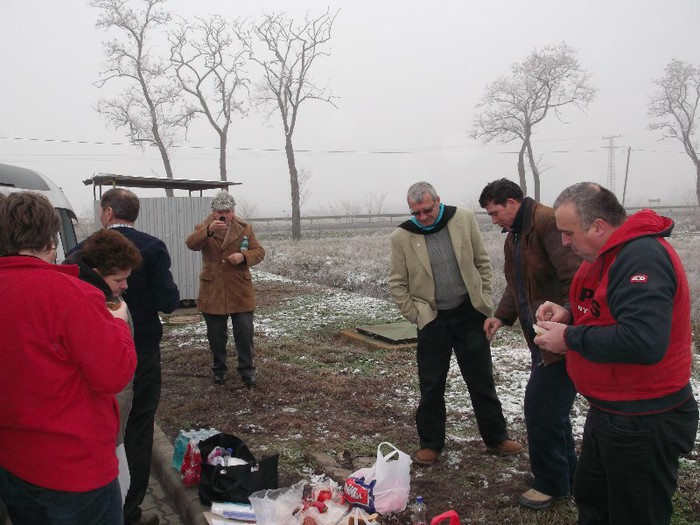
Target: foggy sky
{"points": [[407, 76]]}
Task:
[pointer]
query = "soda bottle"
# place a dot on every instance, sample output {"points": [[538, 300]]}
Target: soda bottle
{"points": [[420, 512], [244, 243]]}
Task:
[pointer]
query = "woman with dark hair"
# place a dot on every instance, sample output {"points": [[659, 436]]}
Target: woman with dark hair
{"points": [[105, 261], [64, 356]]}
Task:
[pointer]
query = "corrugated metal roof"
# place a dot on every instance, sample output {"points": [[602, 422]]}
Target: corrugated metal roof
{"points": [[130, 181]]}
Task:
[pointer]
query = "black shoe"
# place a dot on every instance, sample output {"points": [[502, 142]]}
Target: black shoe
{"points": [[250, 382], [220, 378], [146, 519]]}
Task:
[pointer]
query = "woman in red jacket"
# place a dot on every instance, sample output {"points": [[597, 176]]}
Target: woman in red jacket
{"points": [[64, 356]]}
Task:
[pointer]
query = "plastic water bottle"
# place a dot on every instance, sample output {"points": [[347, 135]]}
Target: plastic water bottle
{"points": [[420, 512], [244, 243]]}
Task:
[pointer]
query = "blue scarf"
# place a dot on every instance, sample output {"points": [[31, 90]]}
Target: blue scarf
{"points": [[432, 226]]}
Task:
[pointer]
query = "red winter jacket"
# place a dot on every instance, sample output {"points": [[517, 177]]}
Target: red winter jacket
{"points": [[631, 340], [64, 356]]}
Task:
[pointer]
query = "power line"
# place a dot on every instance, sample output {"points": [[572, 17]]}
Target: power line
{"points": [[429, 150]]}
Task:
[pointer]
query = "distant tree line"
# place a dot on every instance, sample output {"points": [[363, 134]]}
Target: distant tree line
{"points": [[550, 79], [218, 69]]}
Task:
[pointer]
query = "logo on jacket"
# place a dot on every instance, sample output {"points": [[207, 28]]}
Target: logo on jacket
{"points": [[639, 278], [585, 296]]}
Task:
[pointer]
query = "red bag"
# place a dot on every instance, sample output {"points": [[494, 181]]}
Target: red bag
{"points": [[191, 469], [451, 514]]}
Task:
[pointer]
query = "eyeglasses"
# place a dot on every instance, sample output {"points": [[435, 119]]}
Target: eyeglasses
{"points": [[425, 211]]}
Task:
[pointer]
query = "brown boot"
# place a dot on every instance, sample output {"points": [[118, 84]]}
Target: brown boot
{"points": [[534, 499], [507, 448], [426, 456]]}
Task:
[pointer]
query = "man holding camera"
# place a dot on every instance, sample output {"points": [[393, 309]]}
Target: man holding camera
{"points": [[229, 249]]}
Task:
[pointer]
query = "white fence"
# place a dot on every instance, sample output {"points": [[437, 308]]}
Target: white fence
{"points": [[173, 219]]}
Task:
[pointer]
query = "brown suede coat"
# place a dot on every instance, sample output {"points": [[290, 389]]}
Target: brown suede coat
{"points": [[225, 288], [547, 268]]}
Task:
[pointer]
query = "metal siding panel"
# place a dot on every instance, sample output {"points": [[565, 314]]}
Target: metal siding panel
{"points": [[172, 220]]}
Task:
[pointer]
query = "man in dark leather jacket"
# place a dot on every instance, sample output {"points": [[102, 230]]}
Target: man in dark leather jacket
{"points": [[537, 268]]}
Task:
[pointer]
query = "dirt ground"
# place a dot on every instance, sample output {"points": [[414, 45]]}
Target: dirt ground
{"points": [[322, 393]]}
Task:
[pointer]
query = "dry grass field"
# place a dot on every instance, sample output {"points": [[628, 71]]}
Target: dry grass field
{"points": [[318, 391]]}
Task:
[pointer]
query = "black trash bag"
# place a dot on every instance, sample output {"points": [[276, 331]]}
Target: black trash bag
{"points": [[236, 483]]}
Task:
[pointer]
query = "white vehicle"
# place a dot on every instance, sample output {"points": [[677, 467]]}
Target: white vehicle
{"points": [[14, 178]]}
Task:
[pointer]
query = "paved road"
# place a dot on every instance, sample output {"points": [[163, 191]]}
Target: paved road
{"points": [[156, 501]]}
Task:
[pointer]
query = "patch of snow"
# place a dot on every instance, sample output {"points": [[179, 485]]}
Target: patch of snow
{"points": [[332, 308]]}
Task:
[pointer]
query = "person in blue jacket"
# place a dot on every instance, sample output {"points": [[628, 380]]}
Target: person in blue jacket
{"points": [[151, 289]]}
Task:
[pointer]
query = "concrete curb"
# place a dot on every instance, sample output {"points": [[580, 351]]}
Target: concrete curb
{"points": [[185, 500]]}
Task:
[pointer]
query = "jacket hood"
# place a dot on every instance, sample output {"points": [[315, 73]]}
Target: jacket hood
{"points": [[644, 223], [89, 275]]}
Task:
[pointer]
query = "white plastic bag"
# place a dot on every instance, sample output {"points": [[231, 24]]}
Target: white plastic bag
{"points": [[277, 506], [393, 475], [384, 487]]}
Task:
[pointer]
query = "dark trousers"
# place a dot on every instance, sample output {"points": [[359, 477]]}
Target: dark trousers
{"points": [[461, 330], [29, 504], [628, 467], [217, 334], [138, 438], [549, 396]]}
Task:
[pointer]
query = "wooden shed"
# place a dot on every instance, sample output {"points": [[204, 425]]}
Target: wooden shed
{"points": [[171, 219]]}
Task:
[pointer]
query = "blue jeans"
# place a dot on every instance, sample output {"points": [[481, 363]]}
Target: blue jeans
{"points": [[460, 329], [217, 334], [29, 504], [628, 467], [549, 396]]}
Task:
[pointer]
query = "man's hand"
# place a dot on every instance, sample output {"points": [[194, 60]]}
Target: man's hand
{"points": [[549, 311], [236, 258], [553, 339], [491, 326], [216, 226]]}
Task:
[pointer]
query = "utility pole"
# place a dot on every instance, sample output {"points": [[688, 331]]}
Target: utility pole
{"points": [[627, 170], [611, 160]]}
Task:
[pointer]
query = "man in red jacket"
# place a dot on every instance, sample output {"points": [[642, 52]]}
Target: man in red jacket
{"points": [[626, 332]]}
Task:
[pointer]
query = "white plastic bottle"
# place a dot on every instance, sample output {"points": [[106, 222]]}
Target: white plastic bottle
{"points": [[420, 512]]}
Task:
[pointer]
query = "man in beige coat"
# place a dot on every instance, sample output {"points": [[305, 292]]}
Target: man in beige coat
{"points": [[229, 248], [440, 279]]}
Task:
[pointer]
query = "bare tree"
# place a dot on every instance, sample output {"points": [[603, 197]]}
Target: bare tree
{"points": [[290, 51], [304, 175], [374, 202], [246, 208], [149, 107], [546, 81], [674, 106], [88, 221], [210, 67], [351, 206]]}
